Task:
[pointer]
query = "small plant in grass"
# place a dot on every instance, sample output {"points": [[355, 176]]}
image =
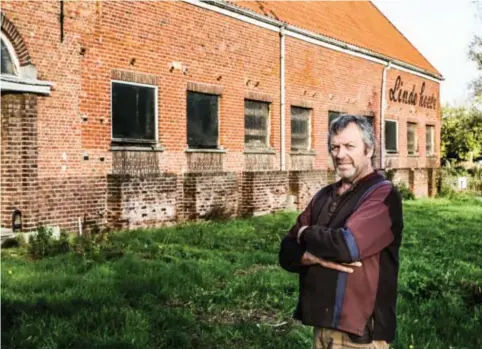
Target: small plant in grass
{"points": [[96, 245], [218, 213], [402, 187], [390, 174]]}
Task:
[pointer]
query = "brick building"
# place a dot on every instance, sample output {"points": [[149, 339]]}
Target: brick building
{"points": [[135, 114]]}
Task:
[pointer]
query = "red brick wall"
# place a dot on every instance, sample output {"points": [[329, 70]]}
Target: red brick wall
{"points": [[264, 192], [210, 195], [134, 202], [175, 45], [19, 173], [421, 188], [305, 184], [404, 113], [326, 80]]}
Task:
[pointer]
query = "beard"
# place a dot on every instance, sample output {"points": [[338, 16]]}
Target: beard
{"points": [[346, 171]]}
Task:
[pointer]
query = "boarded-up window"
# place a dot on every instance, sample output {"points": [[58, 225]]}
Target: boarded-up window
{"points": [[256, 124], [202, 120], [133, 112], [412, 140], [300, 128], [391, 135], [430, 140]]}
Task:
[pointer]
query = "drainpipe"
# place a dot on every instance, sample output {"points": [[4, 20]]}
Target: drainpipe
{"points": [[61, 19], [80, 226], [282, 98], [383, 106]]}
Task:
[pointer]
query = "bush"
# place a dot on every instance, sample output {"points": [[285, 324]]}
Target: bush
{"points": [[447, 183], [96, 245], [93, 245], [43, 244], [405, 192]]}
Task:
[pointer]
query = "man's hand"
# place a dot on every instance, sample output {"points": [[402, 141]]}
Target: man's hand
{"points": [[309, 259]]}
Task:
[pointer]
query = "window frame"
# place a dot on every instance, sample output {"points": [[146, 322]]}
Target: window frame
{"points": [[417, 150], [268, 125], [309, 140], [218, 112], [12, 53], [156, 115], [391, 151], [432, 141]]}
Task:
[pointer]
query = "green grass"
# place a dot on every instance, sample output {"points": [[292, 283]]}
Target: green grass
{"points": [[218, 285]]}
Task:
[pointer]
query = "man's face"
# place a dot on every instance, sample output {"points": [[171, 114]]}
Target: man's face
{"points": [[350, 156]]}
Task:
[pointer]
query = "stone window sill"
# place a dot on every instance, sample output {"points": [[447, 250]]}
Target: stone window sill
{"points": [[259, 151], [303, 152], [146, 148], [392, 153], [23, 84], [194, 150], [416, 155]]}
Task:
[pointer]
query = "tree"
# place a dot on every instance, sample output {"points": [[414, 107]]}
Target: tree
{"points": [[461, 133], [475, 54], [461, 137]]}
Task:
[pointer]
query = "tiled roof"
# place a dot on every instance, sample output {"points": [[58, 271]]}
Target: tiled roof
{"points": [[358, 23]]}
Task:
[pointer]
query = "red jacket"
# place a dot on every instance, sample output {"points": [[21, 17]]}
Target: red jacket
{"points": [[364, 224]]}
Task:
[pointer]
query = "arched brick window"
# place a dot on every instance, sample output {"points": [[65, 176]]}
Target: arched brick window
{"points": [[18, 74]]}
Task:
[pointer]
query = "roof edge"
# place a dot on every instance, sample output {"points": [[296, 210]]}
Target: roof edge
{"points": [[222, 4]]}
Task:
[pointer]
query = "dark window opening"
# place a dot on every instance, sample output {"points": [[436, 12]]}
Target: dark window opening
{"points": [[412, 139], [390, 136], [202, 120], [133, 113], [300, 128], [332, 115], [256, 123], [430, 140]]}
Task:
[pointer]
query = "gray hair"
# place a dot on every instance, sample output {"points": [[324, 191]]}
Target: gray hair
{"points": [[342, 121]]}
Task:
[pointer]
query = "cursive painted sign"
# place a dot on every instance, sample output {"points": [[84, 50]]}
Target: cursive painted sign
{"points": [[400, 95]]}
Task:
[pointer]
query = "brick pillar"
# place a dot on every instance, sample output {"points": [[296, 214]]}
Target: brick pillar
{"points": [[114, 201], [411, 180], [19, 168], [432, 181], [189, 196]]}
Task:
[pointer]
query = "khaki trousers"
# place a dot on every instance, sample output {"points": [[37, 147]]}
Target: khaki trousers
{"points": [[324, 338]]}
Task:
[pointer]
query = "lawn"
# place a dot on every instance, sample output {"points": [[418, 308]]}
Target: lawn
{"points": [[218, 285]]}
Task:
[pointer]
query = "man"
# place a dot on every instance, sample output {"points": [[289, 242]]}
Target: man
{"points": [[345, 247]]}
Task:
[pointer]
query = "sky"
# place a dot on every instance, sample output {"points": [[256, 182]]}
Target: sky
{"points": [[442, 31]]}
